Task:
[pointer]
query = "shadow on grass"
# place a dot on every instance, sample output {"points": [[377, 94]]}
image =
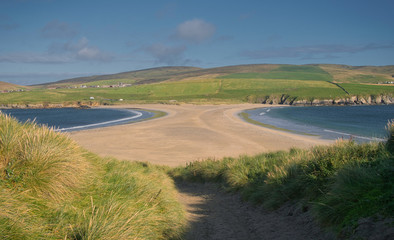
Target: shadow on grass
{"points": [[215, 214]]}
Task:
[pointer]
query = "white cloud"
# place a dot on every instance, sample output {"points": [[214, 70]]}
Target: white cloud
{"points": [[82, 50], [60, 53], [166, 54], [195, 31], [89, 53]]}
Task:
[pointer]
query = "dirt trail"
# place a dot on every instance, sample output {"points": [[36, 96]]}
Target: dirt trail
{"points": [[213, 214]]}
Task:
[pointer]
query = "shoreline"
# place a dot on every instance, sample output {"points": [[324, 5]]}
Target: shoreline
{"points": [[132, 115], [304, 126], [189, 133], [353, 101]]}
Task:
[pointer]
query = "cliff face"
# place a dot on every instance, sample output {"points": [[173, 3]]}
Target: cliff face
{"points": [[282, 100], [287, 100]]}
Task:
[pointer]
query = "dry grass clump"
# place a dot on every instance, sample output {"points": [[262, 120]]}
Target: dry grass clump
{"points": [[130, 201], [37, 159], [50, 188]]}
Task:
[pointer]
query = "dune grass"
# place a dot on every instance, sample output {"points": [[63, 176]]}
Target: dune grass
{"points": [[50, 188], [340, 183]]}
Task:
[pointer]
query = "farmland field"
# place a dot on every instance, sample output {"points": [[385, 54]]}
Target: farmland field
{"points": [[235, 84]]}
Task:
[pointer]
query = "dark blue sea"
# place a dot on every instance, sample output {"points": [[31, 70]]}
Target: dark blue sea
{"points": [[362, 123], [73, 119]]}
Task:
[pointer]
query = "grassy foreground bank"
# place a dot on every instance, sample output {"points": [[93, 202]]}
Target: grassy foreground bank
{"points": [[50, 188], [340, 184]]}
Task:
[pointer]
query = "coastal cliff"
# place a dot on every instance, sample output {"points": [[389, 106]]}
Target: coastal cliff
{"points": [[353, 100]]}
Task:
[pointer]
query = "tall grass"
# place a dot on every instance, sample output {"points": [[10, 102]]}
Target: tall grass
{"points": [[39, 160], [50, 188], [390, 136], [341, 183]]}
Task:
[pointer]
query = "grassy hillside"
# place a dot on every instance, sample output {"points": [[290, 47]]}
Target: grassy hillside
{"points": [[10, 86], [339, 184], [362, 74], [140, 76], [50, 188], [324, 72], [245, 83]]}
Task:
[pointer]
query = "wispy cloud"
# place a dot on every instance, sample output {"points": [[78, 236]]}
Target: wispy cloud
{"points": [[56, 29], [312, 51], [7, 24], [166, 54], [246, 15], [30, 57], [60, 53], [82, 50], [195, 31]]}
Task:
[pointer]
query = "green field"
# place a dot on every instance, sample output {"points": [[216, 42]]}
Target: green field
{"points": [[212, 90], [287, 72], [249, 83]]}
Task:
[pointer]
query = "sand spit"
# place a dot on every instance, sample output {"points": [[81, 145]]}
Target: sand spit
{"points": [[189, 133]]}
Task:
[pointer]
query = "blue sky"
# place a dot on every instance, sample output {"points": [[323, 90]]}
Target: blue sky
{"points": [[48, 40]]}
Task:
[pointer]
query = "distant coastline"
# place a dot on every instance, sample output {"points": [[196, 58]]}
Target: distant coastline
{"points": [[354, 100], [49, 105], [269, 100]]}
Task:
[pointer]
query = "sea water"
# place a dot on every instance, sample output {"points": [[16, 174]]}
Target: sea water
{"points": [[362, 123], [73, 119]]}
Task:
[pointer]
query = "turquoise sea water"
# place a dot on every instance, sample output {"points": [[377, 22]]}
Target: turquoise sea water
{"points": [[363, 123], [72, 119]]}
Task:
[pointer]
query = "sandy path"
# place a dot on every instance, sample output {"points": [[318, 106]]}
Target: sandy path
{"points": [[194, 132], [188, 133], [213, 214]]}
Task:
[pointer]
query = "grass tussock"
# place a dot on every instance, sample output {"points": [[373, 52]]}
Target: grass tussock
{"points": [[50, 188], [341, 183]]}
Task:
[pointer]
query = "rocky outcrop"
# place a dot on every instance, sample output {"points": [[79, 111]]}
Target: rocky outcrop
{"points": [[352, 100], [50, 105]]}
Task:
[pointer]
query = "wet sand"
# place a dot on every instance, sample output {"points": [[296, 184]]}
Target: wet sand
{"points": [[189, 133]]}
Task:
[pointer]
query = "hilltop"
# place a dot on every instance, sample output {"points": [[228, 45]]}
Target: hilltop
{"points": [[339, 73], [139, 76], [4, 86], [313, 84]]}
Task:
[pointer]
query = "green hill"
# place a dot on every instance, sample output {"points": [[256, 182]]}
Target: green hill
{"points": [[326, 72], [10, 87], [259, 83], [140, 76]]}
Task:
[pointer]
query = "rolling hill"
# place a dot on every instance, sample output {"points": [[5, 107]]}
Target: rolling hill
{"points": [[9, 86], [260, 83], [338, 73]]}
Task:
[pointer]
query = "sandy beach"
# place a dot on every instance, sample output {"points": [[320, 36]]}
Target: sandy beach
{"points": [[189, 133]]}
